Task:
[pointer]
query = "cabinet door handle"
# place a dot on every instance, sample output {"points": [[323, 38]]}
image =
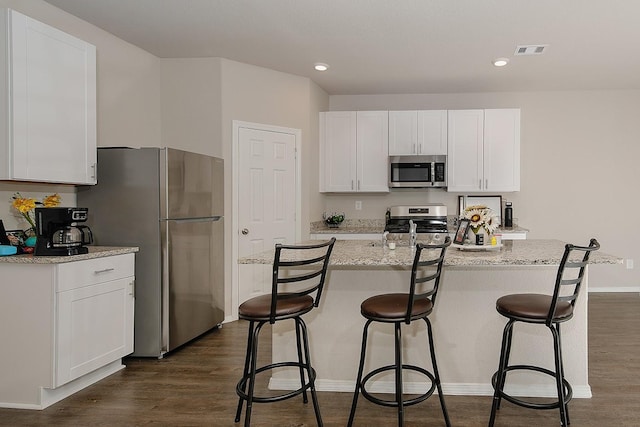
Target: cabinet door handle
{"points": [[358, 184], [480, 184], [133, 289], [94, 167], [106, 270], [352, 184], [486, 184]]}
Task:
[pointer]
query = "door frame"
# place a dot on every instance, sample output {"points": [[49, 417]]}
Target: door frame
{"points": [[235, 164]]}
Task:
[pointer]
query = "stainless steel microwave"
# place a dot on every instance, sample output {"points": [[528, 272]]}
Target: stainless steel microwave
{"points": [[418, 171]]}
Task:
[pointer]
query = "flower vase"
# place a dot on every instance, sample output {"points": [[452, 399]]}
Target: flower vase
{"points": [[30, 241], [479, 237]]}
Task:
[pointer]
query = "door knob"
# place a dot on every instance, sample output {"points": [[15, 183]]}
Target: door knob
{"points": [[245, 231]]}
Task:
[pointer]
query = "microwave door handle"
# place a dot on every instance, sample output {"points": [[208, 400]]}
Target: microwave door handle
{"points": [[433, 173]]}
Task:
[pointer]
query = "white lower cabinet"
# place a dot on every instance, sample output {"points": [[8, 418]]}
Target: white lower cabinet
{"points": [[71, 323]]}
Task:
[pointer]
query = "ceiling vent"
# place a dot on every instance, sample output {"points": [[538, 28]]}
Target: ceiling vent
{"points": [[531, 49]]}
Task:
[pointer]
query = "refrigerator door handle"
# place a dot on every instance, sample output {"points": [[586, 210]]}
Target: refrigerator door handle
{"points": [[202, 219]]}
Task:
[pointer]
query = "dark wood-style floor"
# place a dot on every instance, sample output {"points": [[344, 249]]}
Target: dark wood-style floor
{"points": [[195, 386]]}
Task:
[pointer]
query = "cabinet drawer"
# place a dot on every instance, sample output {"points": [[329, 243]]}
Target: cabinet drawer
{"points": [[74, 275]]}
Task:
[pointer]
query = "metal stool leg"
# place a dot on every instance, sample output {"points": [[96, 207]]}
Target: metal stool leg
{"points": [[436, 374], [398, 353], [252, 373], [506, 360], [245, 372], [299, 348], [359, 377], [557, 352], [501, 374], [310, 372]]}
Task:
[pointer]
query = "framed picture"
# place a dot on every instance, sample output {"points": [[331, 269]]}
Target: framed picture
{"points": [[463, 226], [492, 202], [16, 237]]}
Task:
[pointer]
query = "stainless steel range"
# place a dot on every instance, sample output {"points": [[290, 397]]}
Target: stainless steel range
{"points": [[431, 221]]}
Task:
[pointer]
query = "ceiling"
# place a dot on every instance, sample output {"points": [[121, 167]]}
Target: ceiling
{"points": [[391, 46]]}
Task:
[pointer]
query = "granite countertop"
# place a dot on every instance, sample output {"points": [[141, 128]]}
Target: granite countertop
{"points": [[350, 226], [370, 253], [375, 226], [94, 252]]}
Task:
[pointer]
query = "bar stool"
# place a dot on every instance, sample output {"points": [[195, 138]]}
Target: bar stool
{"points": [[401, 308], [302, 266], [548, 310]]}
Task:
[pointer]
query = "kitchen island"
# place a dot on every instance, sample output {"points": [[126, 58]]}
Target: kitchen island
{"points": [[467, 328], [67, 321]]}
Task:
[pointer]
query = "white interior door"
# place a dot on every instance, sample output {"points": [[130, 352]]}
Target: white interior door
{"points": [[267, 201]]}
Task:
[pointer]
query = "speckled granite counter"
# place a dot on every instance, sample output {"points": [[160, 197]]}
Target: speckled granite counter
{"points": [[349, 226], [94, 252], [368, 253], [374, 226]]}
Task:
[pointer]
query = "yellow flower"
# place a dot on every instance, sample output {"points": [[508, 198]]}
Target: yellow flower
{"points": [[51, 201], [24, 205]]}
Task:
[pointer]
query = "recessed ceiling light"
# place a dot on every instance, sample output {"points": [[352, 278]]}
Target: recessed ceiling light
{"points": [[321, 67], [500, 62]]}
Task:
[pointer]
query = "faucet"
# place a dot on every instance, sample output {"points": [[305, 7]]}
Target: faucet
{"points": [[384, 238], [412, 234]]}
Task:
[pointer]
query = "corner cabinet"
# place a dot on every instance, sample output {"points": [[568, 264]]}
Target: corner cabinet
{"points": [[418, 132], [67, 325], [48, 123], [354, 150], [483, 150]]}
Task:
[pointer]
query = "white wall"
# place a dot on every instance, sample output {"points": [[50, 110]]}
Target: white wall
{"points": [[192, 105], [579, 154], [260, 95], [128, 86]]}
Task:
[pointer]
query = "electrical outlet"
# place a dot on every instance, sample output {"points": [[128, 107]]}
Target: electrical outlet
{"points": [[358, 205], [629, 264]]}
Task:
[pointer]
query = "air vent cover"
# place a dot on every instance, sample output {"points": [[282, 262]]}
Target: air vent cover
{"points": [[531, 49]]}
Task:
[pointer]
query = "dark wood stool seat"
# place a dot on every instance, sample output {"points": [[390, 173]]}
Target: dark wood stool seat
{"points": [[399, 308], [259, 308], [305, 268], [393, 308], [532, 308], [551, 311]]}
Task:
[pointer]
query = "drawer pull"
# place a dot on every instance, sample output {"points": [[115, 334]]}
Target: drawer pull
{"points": [[106, 270]]}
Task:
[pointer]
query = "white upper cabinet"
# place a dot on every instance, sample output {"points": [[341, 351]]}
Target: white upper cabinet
{"points": [[354, 151], [403, 132], [49, 122], [502, 150], [484, 150], [417, 132]]}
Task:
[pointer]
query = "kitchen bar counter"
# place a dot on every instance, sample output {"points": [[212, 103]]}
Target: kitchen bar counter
{"points": [[368, 253], [467, 328], [94, 252]]}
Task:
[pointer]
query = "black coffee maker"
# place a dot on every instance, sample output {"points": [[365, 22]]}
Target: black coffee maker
{"points": [[58, 234]]}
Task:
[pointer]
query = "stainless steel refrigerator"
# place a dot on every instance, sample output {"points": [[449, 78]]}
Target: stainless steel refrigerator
{"points": [[170, 203]]}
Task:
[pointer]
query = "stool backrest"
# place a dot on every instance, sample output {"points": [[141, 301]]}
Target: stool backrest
{"points": [[427, 267], [569, 277], [303, 268]]}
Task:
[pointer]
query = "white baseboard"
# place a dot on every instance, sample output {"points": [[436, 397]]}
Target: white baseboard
{"points": [[454, 389], [48, 397], [630, 289]]}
